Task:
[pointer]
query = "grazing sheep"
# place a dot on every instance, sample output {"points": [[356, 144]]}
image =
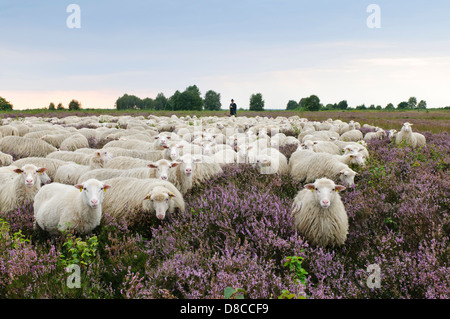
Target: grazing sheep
{"points": [[71, 172], [378, 135], [79, 207], [131, 195], [352, 136], [272, 161], [204, 169], [9, 130], [306, 166], [74, 142], [410, 138], [5, 159], [17, 191], [25, 147], [321, 147], [320, 215], [355, 149], [126, 162], [142, 154], [225, 157], [101, 174], [56, 139]]}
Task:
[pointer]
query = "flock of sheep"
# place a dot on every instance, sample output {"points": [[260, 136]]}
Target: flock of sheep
{"points": [[149, 164]]}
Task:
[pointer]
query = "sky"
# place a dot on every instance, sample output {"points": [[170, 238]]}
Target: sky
{"points": [[283, 49]]}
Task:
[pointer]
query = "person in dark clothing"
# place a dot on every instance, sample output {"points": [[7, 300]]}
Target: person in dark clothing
{"points": [[233, 108]]}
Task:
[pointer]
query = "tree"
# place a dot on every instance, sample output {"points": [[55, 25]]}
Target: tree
{"points": [[5, 105], [361, 107], [412, 102], [403, 106], [74, 105], [390, 106], [160, 102], [128, 102], [291, 105], [174, 102], [60, 106], [147, 103], [343, 105], [212, 101], [52, 106], [256, 102], [378, 107], [372, 107], [422, 105], [311, 103]]}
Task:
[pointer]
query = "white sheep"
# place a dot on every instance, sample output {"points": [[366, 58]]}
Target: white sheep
{"points": [[410, 138], [74, 142], [321, 147], [25, 147], [51, 164], [71, 172], [21, 189], [79, 207], [272, 161], [378, 134], [5, 159], [306, 166], [225, 157], [352, 136], [320, 215], [181, 176], [159, 169], [132, 195]]}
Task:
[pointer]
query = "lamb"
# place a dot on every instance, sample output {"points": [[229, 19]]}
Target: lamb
{"points": [[17, 191], [74, 142], [131, 195], [306, 166], [25, 147], [409, 137], [5, 159], [60, 207], [320, 215], [352, 136], [392, 134]]}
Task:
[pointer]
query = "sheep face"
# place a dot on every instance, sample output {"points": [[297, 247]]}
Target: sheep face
{"points": [[208, 149], [162, 139], [347, 176], [162, 168], [407, 127], [187, 164], [159, 201], [357, 158], [324, 191], [104, 156], [92, 192], [29, 174]]}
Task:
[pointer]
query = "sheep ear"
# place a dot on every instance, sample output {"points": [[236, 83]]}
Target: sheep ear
{"points": [[315, 142], [79, 186], [310, 187], [169, 137], [352, 156], [151, 165], [18, 171], [339, 188], [174, 164], [156, 137], [180, 145], [197, 160], [98, 154], [165, 146], [147, 197], [105, 187], [41, 170], [171, 194]]}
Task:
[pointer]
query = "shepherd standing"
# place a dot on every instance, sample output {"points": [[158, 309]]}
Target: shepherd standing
{"points": [[233, 108]]}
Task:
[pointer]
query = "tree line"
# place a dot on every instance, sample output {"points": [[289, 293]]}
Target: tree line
{"points": [[312, 103]]}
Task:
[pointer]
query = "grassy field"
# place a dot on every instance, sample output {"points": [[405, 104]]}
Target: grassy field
{"points": [[433, 121]]}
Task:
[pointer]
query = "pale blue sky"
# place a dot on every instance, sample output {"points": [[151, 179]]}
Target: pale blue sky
{"points": [[283, 49]]}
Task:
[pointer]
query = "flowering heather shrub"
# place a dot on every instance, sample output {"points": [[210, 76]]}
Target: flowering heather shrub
{"points": [[237, 232]]}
